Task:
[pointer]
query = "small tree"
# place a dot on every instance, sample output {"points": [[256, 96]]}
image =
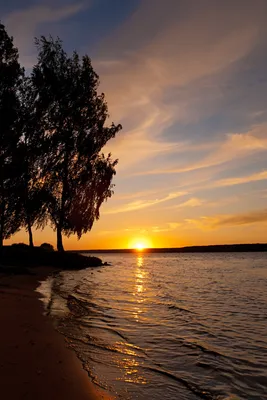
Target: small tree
{"points": [[10, 76], [77, 177], [29, 154]]}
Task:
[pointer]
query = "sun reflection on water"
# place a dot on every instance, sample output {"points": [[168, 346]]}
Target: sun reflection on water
{"points": [[140, 260], [139, 287], [139, 275], [132, 371], [132, 362]]}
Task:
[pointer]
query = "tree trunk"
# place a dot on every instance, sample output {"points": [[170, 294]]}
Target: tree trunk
{"points": [[1, 229], [2, 217], [59, 239], [62, 207], [29, 229], [1, 238]]}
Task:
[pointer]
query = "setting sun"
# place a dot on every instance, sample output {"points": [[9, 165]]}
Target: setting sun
{"points": [[140, 244]]}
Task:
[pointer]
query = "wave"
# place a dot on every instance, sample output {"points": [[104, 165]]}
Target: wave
{"points": [[201, 393], [111, 330], [179, 308]]}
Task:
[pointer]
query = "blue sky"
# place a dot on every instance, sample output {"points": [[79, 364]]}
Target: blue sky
{"points": [[187, 79]]}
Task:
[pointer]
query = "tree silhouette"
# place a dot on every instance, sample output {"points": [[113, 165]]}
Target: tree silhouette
{"points": [[10, 73], [76, 176], [32, 199]]}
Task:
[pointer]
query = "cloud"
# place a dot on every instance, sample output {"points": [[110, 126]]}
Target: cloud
{"points": [[174, 225], [140, 204], [243, 219], [23, 24], [141, 230], [213, 222], [235, 146], [170, 226], [193, 202], [136, 147], [259, 176], [151, 69], [151, 47], [133, 195]]}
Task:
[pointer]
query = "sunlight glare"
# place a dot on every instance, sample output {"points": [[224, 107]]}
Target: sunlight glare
{"points": [[140, 244]]}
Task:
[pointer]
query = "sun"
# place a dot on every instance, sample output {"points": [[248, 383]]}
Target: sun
{"points": [[140, 244]]}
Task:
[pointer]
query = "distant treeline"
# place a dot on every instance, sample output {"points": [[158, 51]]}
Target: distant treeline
{"points": [[223, 248], [52, 130]]}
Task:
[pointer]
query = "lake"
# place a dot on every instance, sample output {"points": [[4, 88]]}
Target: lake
{"points": [[168, 326]]}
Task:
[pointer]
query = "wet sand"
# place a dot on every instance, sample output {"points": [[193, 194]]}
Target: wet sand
{"points": [[35, 362]]}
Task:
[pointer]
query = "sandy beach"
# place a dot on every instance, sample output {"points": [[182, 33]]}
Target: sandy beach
{"points": [[35, 361]]}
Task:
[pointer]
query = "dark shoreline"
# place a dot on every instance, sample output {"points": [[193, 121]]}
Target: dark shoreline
{"points": [[20, 257], [224, 248], [36, 361]]}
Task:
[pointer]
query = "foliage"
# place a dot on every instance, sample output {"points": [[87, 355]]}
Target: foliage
{"points": [[11, 73], [77, 177], [30, 188]]}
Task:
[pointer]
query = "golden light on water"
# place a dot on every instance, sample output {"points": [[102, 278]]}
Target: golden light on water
{"points": [[140, 260], [139, 275], [131, 364], [139, 287], [132, 372]]}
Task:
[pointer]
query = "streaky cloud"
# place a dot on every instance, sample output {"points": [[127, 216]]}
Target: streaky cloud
{"points": [[140, 204]]}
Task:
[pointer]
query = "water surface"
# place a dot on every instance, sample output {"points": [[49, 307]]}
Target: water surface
{"points": [[169, 326]]}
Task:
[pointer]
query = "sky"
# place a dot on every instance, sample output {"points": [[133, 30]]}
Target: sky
{"points": [[187, 79]]}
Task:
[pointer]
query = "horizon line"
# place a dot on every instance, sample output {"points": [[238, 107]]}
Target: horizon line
{"points": [[174, 249]]}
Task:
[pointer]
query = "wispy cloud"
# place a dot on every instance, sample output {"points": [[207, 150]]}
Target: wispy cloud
{"points": [[169, 227], [243, 219], [217, 221], [134, 195], [144, 230], [22, 24], [193, 202], [137, 147], [235, 146], [152, 71], [138, 205], [259, 176]]}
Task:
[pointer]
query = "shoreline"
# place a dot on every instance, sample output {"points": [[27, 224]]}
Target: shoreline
{"points": [[35, 359]]}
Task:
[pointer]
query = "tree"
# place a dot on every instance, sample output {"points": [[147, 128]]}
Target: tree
{"points": [[29, 153], [10, 73], [76, 175]]}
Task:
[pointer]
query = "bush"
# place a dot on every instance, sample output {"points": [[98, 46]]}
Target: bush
{"points": [[20, 246], [47, 246]]}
